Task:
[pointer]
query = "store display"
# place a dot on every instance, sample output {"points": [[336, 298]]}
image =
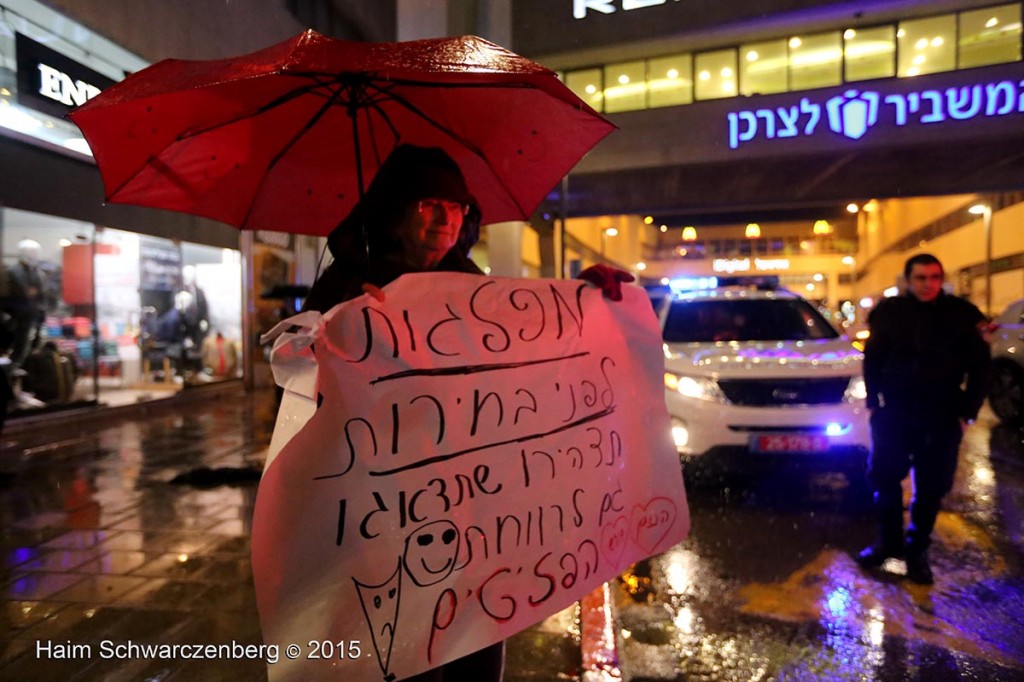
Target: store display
{"points": [[26, 300]]}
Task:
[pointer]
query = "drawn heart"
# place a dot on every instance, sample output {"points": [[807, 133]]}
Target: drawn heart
{"points": [[613, 540], [651, 523]]}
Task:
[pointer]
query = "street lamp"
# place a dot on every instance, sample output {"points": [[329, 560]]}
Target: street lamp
{"points": [[753, 232], [985, 211]]}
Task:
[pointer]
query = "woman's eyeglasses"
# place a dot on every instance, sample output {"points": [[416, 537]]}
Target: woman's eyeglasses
{"points": [[427, 207]]}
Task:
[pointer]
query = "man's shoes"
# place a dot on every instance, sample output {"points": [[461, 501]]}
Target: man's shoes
{"points": [[918, 570], [875, 555]]}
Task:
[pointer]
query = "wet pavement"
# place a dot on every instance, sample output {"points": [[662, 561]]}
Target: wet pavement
{"points": [[99, 544], [766, 588]]}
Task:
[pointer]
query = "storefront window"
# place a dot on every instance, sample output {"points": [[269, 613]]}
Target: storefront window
{"points": [[763, 68], [716, 74], [587, 86], [625, 87], [670, 80], [48, 342], [168, 315], [815, 61], [927, 45], [869, 53], [990, 36], [189, 312]]}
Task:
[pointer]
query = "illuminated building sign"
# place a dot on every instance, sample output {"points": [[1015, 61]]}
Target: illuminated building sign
{"points": [[52, 83], [581, 7], [743, 264], [854, 112]]}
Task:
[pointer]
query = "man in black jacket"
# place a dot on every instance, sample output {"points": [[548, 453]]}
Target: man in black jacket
{"points": [[923, 346]]}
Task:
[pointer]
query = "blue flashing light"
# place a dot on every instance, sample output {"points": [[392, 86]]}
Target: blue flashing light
{"points": [[681, 284], [837, 429]]}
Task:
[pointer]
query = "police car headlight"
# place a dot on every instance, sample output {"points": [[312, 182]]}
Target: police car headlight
{"points": [[680, 434], [701, 388], [857, 390]]}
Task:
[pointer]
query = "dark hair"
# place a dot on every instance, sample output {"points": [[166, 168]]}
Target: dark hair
{"points": [[408, 174], [921, 259]]}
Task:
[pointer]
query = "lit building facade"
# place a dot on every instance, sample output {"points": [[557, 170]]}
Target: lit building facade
{"points": [[789, 113]]}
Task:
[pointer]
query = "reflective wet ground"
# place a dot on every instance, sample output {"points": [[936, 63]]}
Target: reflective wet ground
{"points": [[765, 587], [101, 544]]}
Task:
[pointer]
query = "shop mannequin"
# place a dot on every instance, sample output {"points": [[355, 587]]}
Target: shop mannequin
{"points": [[27, 301], [190, 302]]}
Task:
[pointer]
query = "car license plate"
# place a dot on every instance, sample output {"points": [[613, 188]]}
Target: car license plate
{"points": [[789, 442]]}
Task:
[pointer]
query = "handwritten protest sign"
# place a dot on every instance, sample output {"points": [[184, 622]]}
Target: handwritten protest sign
{"points": [[485, 452]]}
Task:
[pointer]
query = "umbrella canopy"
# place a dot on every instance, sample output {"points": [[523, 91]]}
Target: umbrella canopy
{"points": [[286, 138]]}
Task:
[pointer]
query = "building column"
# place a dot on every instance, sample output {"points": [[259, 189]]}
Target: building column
{"points": [[834, 290], [420, 19], [505, 248]]}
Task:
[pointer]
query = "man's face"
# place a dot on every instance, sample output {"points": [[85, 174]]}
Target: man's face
{"points": [[429, 231], [925, 281]]}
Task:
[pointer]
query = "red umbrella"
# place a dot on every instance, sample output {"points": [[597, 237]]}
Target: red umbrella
{"points": [[286, 138]]}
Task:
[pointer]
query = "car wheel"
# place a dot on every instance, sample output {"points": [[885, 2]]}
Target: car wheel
{"points": [[1006, 394]]}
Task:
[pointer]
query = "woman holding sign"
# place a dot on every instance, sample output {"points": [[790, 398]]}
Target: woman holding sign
{"points": [[418, 216]]}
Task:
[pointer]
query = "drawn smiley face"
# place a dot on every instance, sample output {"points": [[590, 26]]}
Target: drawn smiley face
{"points": [[431, 551]]}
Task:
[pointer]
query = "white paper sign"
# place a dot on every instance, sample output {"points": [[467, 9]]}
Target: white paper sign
{"points": [[485, 452]]}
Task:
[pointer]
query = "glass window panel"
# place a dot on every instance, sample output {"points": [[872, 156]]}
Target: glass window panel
{"points": [[625, 87], [211, 303], [119, 315], [990, 36], [670, 80], [926, 45], [870, 53], [763, 67], [815, 61], [716, 74], [587, 86]]}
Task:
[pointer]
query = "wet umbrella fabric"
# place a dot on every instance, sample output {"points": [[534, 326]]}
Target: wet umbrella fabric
{"points": [[270, 140]]}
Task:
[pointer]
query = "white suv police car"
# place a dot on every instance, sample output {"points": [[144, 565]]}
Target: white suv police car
{"points": [[754, 374]]}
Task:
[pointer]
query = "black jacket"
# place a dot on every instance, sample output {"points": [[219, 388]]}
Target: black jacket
{"points": [[343, 280], [919, 355]]}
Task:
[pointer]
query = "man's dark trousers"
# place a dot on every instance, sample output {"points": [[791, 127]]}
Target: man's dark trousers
{"points": [[927, 442]]}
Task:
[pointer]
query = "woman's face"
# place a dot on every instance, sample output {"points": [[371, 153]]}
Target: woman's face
{"points": [[428, 231]]}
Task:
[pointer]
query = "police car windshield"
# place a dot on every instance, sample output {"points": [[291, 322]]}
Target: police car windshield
{"points": [[704, 321]]}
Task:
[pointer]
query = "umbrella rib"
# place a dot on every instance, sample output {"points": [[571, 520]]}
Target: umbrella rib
{"points": [[448, 131], [335, 96], [283, 99]]}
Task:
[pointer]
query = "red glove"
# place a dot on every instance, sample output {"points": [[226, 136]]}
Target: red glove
{"points": [[609, 279]]}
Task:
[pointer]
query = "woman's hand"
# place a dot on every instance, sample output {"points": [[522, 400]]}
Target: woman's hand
{"points": [[609, 279]]}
